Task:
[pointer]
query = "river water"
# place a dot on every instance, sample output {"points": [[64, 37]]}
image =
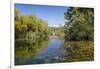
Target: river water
{"points": [[53, 50]]}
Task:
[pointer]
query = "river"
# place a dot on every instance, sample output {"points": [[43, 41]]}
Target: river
{"points": [[53, 50]]}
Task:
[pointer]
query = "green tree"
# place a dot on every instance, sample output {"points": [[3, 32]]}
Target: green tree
{"points": [[29, 26], [79, 23]]}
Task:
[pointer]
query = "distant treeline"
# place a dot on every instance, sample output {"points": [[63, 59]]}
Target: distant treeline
{"points": [[79, 24], [29, 26], [57, 31]]}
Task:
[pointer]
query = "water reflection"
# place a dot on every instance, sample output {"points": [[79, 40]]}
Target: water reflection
{"points": [[79, 51], [26, 49], [52, 51], [52, 54]]}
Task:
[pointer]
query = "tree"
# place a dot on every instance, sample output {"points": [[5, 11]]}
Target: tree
{"points": [[79, 23], [29, 26]]}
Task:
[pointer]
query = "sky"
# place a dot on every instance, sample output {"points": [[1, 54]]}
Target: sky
{"points": [[53, 14]]}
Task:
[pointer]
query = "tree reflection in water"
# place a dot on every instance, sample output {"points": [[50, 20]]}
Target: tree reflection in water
{"points": [[52, 51], [78, 51], [25, 49]]}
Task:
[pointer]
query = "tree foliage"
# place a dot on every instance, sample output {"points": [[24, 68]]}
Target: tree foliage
{"points": [[79, 23], [29, 26]]}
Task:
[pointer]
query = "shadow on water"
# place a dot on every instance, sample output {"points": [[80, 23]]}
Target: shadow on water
{"points": [[52, 51]]}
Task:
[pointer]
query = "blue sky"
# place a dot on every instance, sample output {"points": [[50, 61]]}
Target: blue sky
{"points": [[53, 14]]}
